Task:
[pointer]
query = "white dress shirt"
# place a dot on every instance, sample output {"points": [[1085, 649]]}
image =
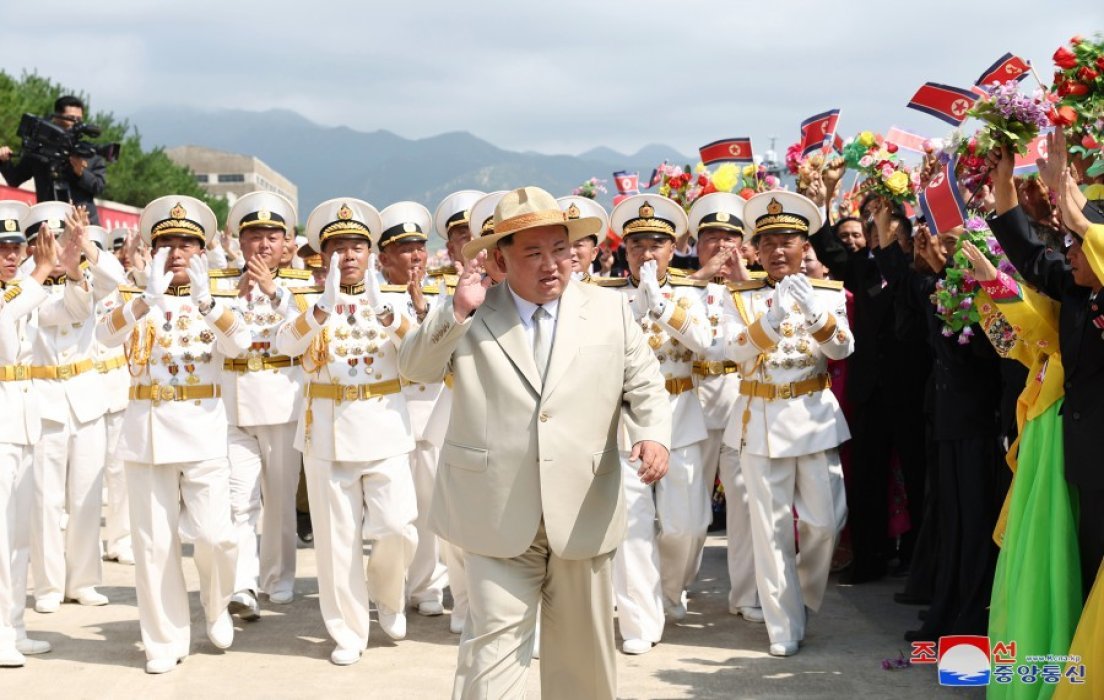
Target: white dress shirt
{"points": [[525, 310]]}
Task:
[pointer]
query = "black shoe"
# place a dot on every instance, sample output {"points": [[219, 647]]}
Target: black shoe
{"points": [[910, 599], [855, 575], [303, 527]]}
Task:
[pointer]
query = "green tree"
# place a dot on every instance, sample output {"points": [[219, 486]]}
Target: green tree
{"points": [[137, 178]]}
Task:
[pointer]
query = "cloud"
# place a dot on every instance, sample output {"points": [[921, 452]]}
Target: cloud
{"points": [[552, 77]]}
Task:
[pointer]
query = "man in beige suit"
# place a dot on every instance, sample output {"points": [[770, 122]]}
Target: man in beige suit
{"points": [[528, 483]]}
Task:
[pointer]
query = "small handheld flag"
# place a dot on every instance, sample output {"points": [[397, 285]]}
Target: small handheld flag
{"points": [[737, 150], [905, 139], [818, 131], [1006, 68], [941, 202], [943, 102], [1025, 164], [627, 183]]}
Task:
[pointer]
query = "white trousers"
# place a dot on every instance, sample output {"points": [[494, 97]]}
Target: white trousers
{"points": [[264, 468], [161, 496], [117, 515], [741, 558], [427, 577], [653, 562], [65, 534], [775, 487], [351, 502], [456, 562], [16, 506]]}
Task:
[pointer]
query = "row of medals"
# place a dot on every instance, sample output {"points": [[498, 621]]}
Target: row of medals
{"points": [[258, 352], [189, 359], [351, 330]]}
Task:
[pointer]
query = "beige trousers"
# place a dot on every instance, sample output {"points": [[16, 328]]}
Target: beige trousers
{"points": [[427, 577], [351, 502], [160, 496], [575, 598]]}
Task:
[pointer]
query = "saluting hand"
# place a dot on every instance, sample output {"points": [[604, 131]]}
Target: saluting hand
{"points": [[653, 460], [471, 290]]}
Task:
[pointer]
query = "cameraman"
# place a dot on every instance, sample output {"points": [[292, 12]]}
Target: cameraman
{"points": [[84, 177]]}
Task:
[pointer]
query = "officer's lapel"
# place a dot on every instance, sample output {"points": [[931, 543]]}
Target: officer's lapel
{"points": [[505, 325], [565, 345]]}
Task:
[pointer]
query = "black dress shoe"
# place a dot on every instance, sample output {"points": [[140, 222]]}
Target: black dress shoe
{"points": [[303, 527], [910, 599]]}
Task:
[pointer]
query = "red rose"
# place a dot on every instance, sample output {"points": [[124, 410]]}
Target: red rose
{"points": [[1089, 143], [1063, 116], [1075, 88], [1087, 74], [1076, 39], [747, 193], [703, 180], [891, 147], [1100, 63], [708, 188], [1064, 58]]}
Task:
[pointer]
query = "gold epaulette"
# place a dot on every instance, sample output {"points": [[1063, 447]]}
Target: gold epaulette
{"points": [[291, 273], [827, 284], [399, 288], [745, 286], [678, 272], [12, 291], [429, 289], [443, 270], [128, 292], [224, 292], [85, 265], [224, 273], [685, 281], [758, 274], [609, 281], [306, 290]]}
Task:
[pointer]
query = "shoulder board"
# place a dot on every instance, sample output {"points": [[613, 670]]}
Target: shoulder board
{"points": [[399, 288], [128, 292], [429, 290], [758, 274], [12, 292], [443, 270], [678, 272], [746, 286], [827, 284], [609, 281], [686, 282], [306, 290], [292, 273], [85, 265], [224, 272], [224, 292]]}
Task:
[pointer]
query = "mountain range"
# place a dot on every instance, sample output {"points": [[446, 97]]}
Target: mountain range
{"points": [[380, 166]]}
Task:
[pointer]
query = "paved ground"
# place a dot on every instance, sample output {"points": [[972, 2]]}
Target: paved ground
{"points": [[285, 654]]}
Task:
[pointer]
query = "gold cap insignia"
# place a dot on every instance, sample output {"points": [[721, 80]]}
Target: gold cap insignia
{"points": [[178, 212], [264, 215], [773, 207], [10, 225], [409, 227], [722, 216], [646, 211], [573, 211], [344, 213], [55, 224]]}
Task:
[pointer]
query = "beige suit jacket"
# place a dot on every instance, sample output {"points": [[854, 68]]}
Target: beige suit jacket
{"points": [[517, 449]]}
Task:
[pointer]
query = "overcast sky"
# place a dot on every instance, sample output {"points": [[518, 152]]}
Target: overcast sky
{"points": [[554, 77]]}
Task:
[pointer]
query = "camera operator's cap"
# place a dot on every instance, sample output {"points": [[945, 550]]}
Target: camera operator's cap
{"points": [[402, 221], [779, 211], [577, 207], [648, 216], [118, 237], [717, 210], [455, 210], [344, 216], [260, 210], [98, 235], [12, 213], [52, 214], [177, 215], [523, 209]]}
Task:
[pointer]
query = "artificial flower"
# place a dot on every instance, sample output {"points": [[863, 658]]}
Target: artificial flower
{"points": [[898, 183]]}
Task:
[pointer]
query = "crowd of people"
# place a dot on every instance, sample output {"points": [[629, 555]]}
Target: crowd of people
{"points": [[547, 441]]}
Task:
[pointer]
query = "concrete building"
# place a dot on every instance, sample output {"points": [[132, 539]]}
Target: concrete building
{"points": [[231, 175]]}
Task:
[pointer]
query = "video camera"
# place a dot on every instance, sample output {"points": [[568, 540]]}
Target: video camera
{"points": [[52, 145]]}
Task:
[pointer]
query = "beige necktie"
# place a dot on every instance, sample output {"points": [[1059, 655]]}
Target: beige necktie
{"points": [[542, 339]]}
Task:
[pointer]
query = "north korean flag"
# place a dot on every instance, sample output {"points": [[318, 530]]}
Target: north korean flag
{"points": [[943, 102], [1037, 149], [941, 202], [817, 131], [905, 139], [626, 182], [1006, 68], [736, 150]]}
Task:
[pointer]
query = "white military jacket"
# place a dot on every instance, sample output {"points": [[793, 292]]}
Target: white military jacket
{"points": [[676, 337], [263, 387], [787, 425], [24, 299], [175, 356], [717, 379], [357, 357]]}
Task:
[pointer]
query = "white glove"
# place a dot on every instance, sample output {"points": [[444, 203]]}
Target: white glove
{"points": [[777, 311], [372, 289], [802, 292], [158, 279], [328, 300], [649, 287], [201, 285]]}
